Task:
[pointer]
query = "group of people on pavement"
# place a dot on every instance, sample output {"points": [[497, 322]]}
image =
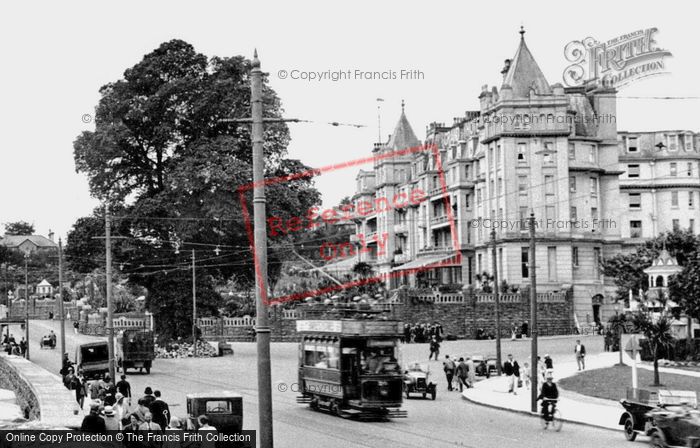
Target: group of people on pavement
{"points": [[419, 333], [112, 407], [12, 347], [461, 371]]}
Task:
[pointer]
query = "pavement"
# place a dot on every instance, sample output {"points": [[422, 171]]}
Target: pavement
{"points": [[575, 407]]}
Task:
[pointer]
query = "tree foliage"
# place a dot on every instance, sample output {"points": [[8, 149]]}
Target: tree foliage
{"points": [[19, 228], [656, 328], [627, 270], [171, 168]]}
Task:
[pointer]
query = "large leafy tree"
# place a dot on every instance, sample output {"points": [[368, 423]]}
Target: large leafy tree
{"points": [[170, 168], [19, 228]]}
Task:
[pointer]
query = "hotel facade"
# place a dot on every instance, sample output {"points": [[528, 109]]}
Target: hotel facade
{"points": [[535, 148]]}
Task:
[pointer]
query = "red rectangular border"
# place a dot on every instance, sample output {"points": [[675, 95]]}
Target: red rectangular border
{"points": [[432, 147]]}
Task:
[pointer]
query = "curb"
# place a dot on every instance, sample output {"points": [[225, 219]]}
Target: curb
{"points": [[534, 414]]}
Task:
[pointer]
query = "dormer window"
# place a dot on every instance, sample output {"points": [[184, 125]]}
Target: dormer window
{"points": [[672, 142]]}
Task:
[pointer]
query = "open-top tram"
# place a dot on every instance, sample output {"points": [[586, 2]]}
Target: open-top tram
{"points": [[351, 367]]}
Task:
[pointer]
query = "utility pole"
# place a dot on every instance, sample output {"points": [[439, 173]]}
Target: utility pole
{"points": [[262, 328], [108, 272], [26, 302], [61, 315], [194, 308], [497, 294], [533, 314]]}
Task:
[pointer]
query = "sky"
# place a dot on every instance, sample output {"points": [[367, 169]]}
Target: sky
{"points": [[58, 54]]}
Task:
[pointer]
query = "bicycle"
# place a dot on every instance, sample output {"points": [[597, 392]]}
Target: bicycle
{"points": [[552, 415]]}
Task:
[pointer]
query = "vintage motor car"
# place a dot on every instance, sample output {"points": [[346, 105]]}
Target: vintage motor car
{"points": [[224, 410], [483, 366], [674, 426], [416, 381], [637, 404], [669, 417]]}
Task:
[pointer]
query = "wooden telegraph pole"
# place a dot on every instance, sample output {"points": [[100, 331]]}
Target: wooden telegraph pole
{"points": [[108, 272], [61, 314], [533, 315], [194, 307], [497, 294]]}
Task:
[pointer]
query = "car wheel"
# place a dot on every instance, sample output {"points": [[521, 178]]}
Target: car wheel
{"points": [[658, 440], [630, 433], [425, 394]]}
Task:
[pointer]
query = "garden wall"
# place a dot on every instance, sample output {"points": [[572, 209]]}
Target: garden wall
{"points": [[40, 394]]}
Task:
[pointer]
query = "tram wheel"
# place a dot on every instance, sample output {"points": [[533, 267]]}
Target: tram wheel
{"points": [[313, 404], [335, 408]]}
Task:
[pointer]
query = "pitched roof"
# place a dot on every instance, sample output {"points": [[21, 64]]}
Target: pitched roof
{"points": [[17, 240], [403, 136], [44, 282], [524, 73]]}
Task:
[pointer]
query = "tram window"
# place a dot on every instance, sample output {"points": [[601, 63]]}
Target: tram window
{"points": [[309, 357], [333, 357]]}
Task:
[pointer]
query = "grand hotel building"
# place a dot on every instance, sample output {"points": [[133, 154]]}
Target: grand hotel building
{"points": [[537, 147]]}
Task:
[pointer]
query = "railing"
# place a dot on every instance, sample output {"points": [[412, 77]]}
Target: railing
{"points": [[504, 298], [439, 219], [449, 298]]}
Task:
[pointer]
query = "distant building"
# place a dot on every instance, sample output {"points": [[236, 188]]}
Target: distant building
{"points": [[29, 243], [44, 289], [659, 184]]}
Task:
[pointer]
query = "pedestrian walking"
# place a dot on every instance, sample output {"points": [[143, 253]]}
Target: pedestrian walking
{"points": [[23, 347], [471, 373], [462, 374], [434, 348], [449, 367], [580, 352], [160, 410], [548, 365], [76, 325], [525, 375], [509, 369], [124, 388]]}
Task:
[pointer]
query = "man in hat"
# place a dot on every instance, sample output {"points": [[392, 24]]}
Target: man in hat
{"points": [[112, 423], [548, 393], [434, 348], [93, 422], [148, 397]]}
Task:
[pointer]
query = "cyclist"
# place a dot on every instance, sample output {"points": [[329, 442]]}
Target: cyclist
{"points": [[549, 394]]}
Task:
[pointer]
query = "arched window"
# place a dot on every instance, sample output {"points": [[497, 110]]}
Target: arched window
{"points": [[659, 281]]}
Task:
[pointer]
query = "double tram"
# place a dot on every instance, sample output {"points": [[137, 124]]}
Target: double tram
{"points": [[351, 367]]}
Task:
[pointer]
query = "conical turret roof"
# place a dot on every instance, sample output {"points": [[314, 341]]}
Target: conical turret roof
{"points": [[524, 74]]}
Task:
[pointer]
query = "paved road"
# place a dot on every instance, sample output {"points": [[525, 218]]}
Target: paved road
{"points": [[448, 421]]}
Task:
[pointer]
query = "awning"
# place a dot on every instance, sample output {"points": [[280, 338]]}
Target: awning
{"points": [[441, 261]]}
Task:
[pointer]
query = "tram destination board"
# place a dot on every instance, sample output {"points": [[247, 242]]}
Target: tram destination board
{"points": [[351, 327]]}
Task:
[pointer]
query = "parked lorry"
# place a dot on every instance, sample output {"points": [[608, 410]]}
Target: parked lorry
{"points": [[135, 349], [92, 359]]}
